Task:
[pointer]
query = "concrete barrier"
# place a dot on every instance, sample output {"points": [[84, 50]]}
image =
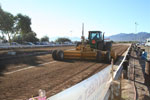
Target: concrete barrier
{"points": [[93, 88]]}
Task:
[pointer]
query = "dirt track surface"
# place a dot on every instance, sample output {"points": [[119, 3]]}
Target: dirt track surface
{"points": [[19, 81]]}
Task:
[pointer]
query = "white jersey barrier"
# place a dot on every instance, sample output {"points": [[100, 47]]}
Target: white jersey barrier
{"points": [[118, 70], [93, 88]]}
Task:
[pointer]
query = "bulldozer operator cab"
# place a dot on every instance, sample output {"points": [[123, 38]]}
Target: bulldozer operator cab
{"points": [[95, 37]]}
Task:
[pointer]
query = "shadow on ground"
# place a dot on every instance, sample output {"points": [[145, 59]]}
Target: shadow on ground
{"points": [[146, 97], [146, 77], [30, 60]]}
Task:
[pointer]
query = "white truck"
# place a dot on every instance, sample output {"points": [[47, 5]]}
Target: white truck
{"points": [[147, 42]]}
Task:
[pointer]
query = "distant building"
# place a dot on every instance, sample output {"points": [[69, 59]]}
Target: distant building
{"points": [[147, 42]]}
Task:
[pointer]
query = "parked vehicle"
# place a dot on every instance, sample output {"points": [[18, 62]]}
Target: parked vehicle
{"points": [[14, 43], [147, 42], [37, 43], [28, 43]]}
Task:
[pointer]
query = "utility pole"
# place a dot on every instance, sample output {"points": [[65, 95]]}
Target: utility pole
{"points": [[82, 29], [135, 29]]}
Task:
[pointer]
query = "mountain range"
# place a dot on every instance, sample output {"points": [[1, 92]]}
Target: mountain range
{"points": [[141, 36]]}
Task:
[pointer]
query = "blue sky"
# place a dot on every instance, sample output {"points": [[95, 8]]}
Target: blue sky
{"points": [[57, 18]]}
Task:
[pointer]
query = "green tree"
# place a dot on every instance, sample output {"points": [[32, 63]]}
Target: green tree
{"points": [[23, 26], [45, 39], [6, 23], [16, 27], [62, 40], [30, 37], [23, 23], [17, 39]]}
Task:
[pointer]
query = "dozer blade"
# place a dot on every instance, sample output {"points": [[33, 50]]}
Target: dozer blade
{"points": [[77, 54], [99, 56]]}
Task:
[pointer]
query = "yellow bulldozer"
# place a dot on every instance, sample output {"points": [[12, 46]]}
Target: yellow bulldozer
{"points": [[95, 48]]}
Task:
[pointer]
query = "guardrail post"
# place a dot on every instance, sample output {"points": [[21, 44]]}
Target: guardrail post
{"points": [[111, 86], [125, 69], [112, 68], [147, 68]]}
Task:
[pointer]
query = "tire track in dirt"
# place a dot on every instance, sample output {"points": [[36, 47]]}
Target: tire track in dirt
{"points": [[61, 69]]}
